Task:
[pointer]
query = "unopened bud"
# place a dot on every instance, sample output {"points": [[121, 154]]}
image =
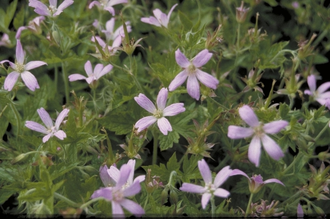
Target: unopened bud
{"points": [[57, 38], [241, 13], [173, 197], [164, 196]]}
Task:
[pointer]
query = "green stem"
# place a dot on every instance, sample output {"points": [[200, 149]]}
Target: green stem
{"points": [[238, 37], [212, 206], [17, 117], [291, 102], [155, 149], [61, 197], [248, 206], [90, 202], [56, 77], [293, 162], [66, 83], [319, 135]]}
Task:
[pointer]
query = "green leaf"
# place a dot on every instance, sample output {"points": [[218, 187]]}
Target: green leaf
{"points": [[284, 111], [166, 141], [19, 18], [5, 194], [187, 24], [10, 13], [320, 59], [189, 169]]}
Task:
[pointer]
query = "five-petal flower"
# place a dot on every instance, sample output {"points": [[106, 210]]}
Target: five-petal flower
{"points": [[193, 73], [21, 69], [107, 5], [258, 130], [112, 34], [318, 94], [255, 182], [34, 26], [159, 113], [98, 72], [117, 194], [160, 19], [50, 130], [210, 188], [41, 9]]}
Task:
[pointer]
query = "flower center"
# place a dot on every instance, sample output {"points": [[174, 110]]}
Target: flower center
{"points": [[210, 187], [191, 69], [52, 130], [259, 131], [103, 3], [19, 67], [158, 114], [117, 195], [52, 9]]}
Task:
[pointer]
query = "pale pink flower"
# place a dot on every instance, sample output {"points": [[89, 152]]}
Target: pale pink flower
{"points": [[50, 130], [52, 10], [211, 187], [95, 75], [108, 50], [318, 94], [21, 69], [5, 41], [34, 26], [258, 131], [193, 73], [107, 5], [255, 182], [160, 19], [300, 211], [112, 34], [123, 188], [159, 113]]}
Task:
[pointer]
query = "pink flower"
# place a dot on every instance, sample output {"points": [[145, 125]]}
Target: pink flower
{"points": [[319, 95], [106, 49], [159, 113], [52, 10], [255, 182], [257, 131], [21, 69], [211, 188], [5, 41], [300, 211], [193, 73], [160, 18], [34, 26], [107, 5], [112, 34], [98, 72], [50, 130], [117, 194]]}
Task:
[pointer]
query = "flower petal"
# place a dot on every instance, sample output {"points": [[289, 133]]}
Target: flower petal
{"points": [[88, 68], [29, 80], [275, 127], [174, 109], [132, 207], [124, 174], [255, 150], [61, 7], [311, 80], [239, 172], [133, 189], [116, 2], [10, 80], [169, 14], [117, 210], [207, 79], [19, 31], [114, 173], [47, 137], [145, 103], [181, 59], [300, 211], [205, 171], [44, 116], [273, 181], [151, 20], [36, 127], [222, 176], [193, 87], [323, 87], [131, 163], [188, 187], [19, 52], [34, 64], [140, 178], [202, 58], [60, 134], [110, 25], [39, 7], [144, 123], [271, 147], [53, 3], [94, 3], [76, 77], [178, 80], [164, 125], [159, 15], [105, 193], [205, 199], [104, 71], [105, 177], [221, 193], [162, 98], [308, 92], [247, 114], [236, 132], [61, 117]]}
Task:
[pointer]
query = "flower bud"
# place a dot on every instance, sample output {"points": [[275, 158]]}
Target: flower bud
{"points": [[164, 196], [173, 197], [57, 38], [241, 13]]}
